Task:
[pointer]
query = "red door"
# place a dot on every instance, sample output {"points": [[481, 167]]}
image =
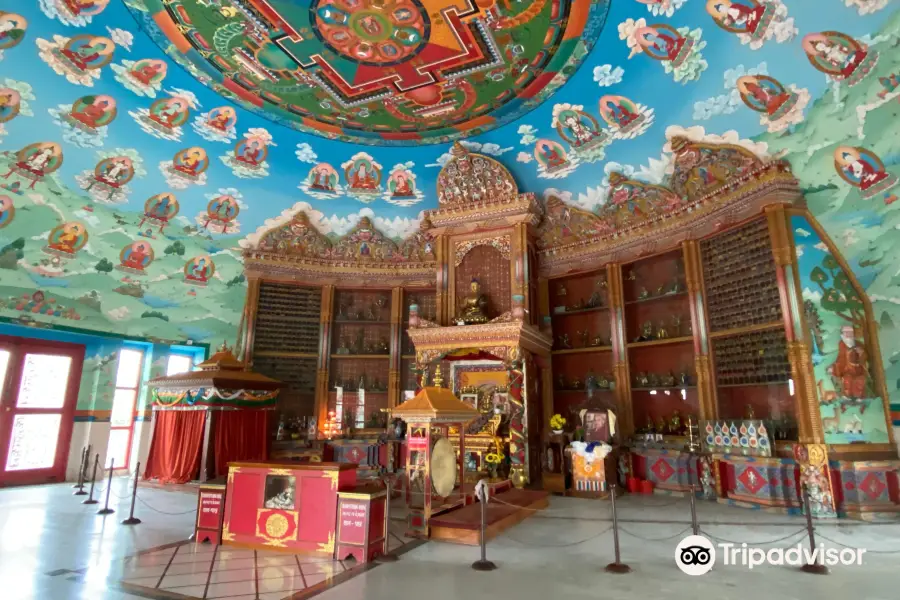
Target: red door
{"points": [[38, 391]]}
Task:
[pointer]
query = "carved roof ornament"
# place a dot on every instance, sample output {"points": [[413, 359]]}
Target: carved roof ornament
{"points": [[475, 190], [470, 177], [631, 204], [710, 186], [703, 169], [295, 238], [365, 243]]}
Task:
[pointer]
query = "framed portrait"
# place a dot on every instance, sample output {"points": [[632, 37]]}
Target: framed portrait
{"points": [[279, 492]]}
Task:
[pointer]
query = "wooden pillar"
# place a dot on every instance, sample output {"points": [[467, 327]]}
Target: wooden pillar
{"points": [[396, 346], [442, 291], [325, 325], [206, 452], [705, 378], [518, 271], [811, 453], [616, 300], [252, 305]]}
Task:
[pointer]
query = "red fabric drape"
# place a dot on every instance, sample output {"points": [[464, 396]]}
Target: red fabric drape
{"points": [[240, 435], [176, 446]]}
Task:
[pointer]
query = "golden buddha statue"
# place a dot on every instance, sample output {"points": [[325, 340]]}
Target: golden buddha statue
{"points": [[473, 306]]}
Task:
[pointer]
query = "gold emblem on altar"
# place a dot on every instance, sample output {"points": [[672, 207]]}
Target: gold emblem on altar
{"points": [[276, 525]]}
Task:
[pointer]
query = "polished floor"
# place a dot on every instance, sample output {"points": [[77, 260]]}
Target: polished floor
{"points": [[54, 548]]}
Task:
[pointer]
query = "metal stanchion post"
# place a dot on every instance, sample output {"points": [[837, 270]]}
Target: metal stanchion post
{"points": [[616, 567], [695, 527], [132, 520], [79, 487], [814, 568], [106, 510], [483, 564], [79, 482], [386, 555], [90, 498]]}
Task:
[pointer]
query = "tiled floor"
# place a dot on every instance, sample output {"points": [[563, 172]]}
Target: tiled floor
{"points": [[206, 571], [54, 548]]}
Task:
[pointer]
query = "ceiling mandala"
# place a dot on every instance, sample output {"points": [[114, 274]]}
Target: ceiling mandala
{"points": [[381, 72]]}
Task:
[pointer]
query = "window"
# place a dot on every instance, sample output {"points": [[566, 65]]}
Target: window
{"points": [[178, 363], [128, 382]]}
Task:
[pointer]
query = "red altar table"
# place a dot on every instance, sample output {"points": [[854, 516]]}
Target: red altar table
{"points": [[284, 505]]}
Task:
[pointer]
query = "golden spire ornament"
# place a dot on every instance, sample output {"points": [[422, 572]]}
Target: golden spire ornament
{"points": [[438, 377]]}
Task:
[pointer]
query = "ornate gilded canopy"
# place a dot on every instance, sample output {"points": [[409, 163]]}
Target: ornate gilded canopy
{"points": [[711, 186]]}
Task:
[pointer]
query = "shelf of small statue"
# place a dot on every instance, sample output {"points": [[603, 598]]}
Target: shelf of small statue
{"points": [[589, 468]]}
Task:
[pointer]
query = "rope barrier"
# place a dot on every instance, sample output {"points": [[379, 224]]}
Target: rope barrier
{"points": [[867, 550], [766, 543], [662, 539], [162, 512], [587, 539]]}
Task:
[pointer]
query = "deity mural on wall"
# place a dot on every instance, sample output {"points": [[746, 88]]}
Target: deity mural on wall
{"points": [[159, 210], [778, 106], [677, 50], [221, 214], [363, 177], [66, 239], [36, 161], [248, 158], [850, 402], [553, 161], [77, 13], [79, 59], [135, 258], [581, 131], [12, 30], [143, 77], [754, 21], [166, 116], [188, 167], [84, 123], [839, 56], [863, 169], [108, 182], [401, 188], [199, 270], [218, 125], [7, 211], [625, 118], [322, 182], [10, 103]]}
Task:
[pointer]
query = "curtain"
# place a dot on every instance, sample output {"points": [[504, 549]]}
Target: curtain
{"points": [[240, 435], [176, 446]]}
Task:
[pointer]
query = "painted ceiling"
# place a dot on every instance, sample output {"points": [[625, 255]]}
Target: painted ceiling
{"points": [[388, 71], [138, 137]]}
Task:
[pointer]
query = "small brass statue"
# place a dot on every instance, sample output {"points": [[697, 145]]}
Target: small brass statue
{"points": [[750, 415], [473, 307], [662, 332], [675, 423], [603, 382], [383, 347], [576, 384], [564, 342], [661, 426], [646, 332], [676, 325], [632, 276], [641, 380], [660, 291], [584, 338], [598, 341], [650, 427], [667, 380], [561, 290], [343, 349], [675, 288], [590, 381], [643, 294], [561, 382], [684, 378], [653, 380]]}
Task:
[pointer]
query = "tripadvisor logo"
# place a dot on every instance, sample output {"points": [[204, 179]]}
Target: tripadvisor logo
{"points": [[696, 555]]}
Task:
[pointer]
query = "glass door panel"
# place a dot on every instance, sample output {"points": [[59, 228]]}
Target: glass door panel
{"points": [[38, 391], [43, 381], [32, 444]]}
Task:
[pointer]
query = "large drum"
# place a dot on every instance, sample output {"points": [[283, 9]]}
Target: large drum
{"points": [[444, 468]]}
